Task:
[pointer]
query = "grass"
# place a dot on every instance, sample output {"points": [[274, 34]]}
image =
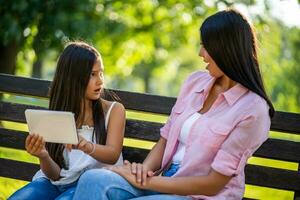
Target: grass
{"points": [[8, 186]]}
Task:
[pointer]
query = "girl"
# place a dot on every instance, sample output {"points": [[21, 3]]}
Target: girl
{"points": [[77, 87], [219, 119]]}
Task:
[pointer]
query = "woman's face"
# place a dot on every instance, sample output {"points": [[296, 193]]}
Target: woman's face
{"points": [[96, 82], [212, 67]]}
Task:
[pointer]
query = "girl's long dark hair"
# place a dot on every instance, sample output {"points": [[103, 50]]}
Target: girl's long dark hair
{"points": [[68, 89], [230, 40]]}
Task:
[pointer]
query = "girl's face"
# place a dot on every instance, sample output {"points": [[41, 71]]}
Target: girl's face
{"points": [[212, 67], [96, 81]]}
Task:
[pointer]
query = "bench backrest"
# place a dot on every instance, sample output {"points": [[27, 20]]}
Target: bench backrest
{"points": [[145, 130]]}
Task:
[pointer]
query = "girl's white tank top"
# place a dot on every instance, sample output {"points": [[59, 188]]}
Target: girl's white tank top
{"points": [[78, 161]]}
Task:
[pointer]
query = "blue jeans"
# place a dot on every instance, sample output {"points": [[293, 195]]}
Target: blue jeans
{"points": [[42, 188], [173, 168], [107, 185]]}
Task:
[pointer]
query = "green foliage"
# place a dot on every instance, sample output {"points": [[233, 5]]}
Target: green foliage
{"points": [[16, 16], [147, 45], [143, 41], [279, 56]]}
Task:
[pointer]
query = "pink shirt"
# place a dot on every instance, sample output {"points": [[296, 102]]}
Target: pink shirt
{"points": [[222, 138]]}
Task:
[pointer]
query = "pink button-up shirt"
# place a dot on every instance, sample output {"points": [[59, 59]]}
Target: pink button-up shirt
{"points": [[222, 138]]}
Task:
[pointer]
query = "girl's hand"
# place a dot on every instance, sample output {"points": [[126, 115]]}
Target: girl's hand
{"points": [[85, 146], [140, 171], [35, 145], [69, 147], [125, 172]]}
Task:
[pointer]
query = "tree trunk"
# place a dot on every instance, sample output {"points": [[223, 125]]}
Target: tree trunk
{"points": [[147, 83], [37, 68], [8, 57]]}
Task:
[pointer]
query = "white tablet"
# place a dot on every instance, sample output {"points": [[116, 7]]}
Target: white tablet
{"points": [[54, 126]]}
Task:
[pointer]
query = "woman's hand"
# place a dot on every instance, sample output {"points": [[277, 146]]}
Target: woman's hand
{"points": [[35, 145], [141, 171], [126, 172]]}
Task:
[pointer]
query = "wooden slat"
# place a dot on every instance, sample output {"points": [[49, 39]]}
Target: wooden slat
{"points": [[12, 138], [131, 100], [279, 149], [255, 175], [146, 102], [15, 112], [24, 86], [134, 129], [289, 122], [286, 122], [134, 154], [272, 177], [25, 171], [16, 139], [272, 148], [17, 170], [143, 130], [282, 121]]}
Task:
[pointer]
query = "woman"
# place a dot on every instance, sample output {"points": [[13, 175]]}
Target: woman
{"points": [[219, 120]]}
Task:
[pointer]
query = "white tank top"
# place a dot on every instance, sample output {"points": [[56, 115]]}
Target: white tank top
{"points": [[182, 139], [77, 160]]}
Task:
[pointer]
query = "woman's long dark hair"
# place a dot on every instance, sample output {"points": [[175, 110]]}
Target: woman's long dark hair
{"points": [[230, 40], [68, 89]]}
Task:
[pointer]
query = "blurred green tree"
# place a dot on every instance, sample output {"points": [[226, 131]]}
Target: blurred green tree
{"points": [[16, 19], [42, 26], [142, 41]]}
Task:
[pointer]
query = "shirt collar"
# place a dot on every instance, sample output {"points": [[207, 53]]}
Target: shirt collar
{"points": [[231, 95], [206, 87]]}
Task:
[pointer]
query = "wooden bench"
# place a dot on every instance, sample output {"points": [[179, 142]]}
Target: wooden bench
{"points": [[255, 175]]}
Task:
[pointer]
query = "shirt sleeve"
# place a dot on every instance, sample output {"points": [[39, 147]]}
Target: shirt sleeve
{"points": [[164, 131], [247, 136]]}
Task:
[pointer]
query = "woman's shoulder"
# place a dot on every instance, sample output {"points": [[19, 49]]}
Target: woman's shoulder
{"points": [[114, 105], [198, 76], [254, 104]]}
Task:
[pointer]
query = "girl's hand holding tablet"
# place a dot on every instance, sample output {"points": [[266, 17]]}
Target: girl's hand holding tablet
{"points": [[83, 145], [35, 145]]}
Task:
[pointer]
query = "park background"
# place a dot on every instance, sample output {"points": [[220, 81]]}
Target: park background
{"points": [[147, 46]]}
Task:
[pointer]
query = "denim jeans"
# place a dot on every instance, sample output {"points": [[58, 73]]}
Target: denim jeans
{"points": [[107, 185], [172, 169], [42, 188]]}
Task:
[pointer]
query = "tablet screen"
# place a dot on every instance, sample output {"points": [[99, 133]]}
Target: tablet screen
{"points": [[54, 126]]}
